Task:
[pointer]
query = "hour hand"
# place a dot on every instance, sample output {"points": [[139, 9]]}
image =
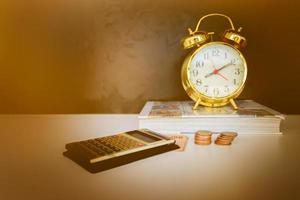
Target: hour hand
{"points": [[208, 75], [216, 71]]}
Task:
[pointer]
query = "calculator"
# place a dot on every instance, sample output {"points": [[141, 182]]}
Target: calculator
{"points": [[107, 152]]}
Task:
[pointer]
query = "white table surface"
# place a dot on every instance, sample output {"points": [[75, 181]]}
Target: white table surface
{"points": [[33, 167]]}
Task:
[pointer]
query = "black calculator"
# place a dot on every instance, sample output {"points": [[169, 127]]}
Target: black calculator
{"points": [[107, 152]]}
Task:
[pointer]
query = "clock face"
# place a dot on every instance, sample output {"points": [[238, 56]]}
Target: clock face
{"points": [[217, 70]]}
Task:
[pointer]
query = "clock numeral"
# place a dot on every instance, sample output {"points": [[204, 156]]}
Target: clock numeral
{"points": [[206, 56], [234, 82], [195, 73], [226, 89], [233, 61], [215, 52], [237, 71], [225, 55], [198, 82], [216, 91], [205, 88], [198, 64]]}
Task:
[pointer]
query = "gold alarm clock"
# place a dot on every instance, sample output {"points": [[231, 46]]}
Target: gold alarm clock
{"points": [[215, 72]]}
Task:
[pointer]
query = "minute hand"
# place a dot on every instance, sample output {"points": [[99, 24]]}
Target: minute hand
{"points": [[217, 70]]}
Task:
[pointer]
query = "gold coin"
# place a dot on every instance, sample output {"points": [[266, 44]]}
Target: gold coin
{"points": [[198, 135], [203, 143], [208, 137], [229, 134], [224, 139], [220, 143], [203, 133], [202, 138]]}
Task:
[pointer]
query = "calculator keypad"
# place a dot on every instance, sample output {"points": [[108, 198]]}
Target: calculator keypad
{"points": [[109, 144]]}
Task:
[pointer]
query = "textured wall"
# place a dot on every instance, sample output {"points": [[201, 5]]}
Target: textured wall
{"points": [[101, 56]]}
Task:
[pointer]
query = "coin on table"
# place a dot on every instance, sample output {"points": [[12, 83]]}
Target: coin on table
{"points": [[203, 142], [226, 138], [222, 143], [203, 133], [218, 141], [203, 137], [229, 134]]}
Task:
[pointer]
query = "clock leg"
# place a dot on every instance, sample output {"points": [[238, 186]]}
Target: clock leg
{"points": [[197, 104], [233, 104]]}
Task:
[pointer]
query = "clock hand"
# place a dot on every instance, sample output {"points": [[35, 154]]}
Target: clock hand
{"points": [[227, 65], [222, 76], [216, 71]]}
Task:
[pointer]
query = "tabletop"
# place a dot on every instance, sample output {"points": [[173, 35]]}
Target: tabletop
{"points": [[253, 167]]}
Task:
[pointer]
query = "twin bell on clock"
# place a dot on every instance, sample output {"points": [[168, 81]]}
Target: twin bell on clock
{"points": [[215, 72]]}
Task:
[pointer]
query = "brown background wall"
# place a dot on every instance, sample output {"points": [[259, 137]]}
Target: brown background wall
{"points": [[101, 56]]}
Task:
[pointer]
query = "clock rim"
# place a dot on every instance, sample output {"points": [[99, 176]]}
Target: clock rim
{"points": [[194, 94]]}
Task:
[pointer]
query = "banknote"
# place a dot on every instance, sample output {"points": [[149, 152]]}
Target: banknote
{"points": [[254, 112], [185, 108], [180, 140], [166, 109]]}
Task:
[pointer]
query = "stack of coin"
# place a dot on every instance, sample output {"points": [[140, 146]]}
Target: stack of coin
{"points": [[203, 137], [225, 138]]}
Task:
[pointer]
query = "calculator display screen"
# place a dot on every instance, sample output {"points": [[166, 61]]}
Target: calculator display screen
{"points": [[143, 136]]}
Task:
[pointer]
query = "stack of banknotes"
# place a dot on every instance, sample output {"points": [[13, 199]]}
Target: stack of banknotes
{"points": [[178, 116]]}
